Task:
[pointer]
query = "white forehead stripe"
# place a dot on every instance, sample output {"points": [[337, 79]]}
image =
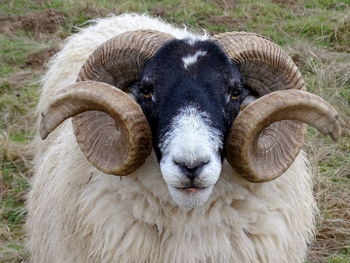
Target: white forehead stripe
{"points": [[192, 59]]}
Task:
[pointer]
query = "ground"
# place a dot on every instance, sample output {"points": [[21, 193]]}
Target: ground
{"points": [[316, 34]]}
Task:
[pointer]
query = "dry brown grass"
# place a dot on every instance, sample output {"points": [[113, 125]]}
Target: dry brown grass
{"points": [[327, 74]]}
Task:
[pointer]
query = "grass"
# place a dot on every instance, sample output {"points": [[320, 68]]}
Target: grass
{"points": [[316, 33]]}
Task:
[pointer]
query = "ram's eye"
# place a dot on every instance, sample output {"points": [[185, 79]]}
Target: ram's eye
{"points": [[235, 94], [146, 91]]}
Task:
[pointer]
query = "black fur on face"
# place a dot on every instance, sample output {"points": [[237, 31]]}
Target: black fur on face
{"points": [[183, 73]]}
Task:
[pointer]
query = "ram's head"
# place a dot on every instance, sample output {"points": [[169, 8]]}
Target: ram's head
{"points": [[189, 94]]}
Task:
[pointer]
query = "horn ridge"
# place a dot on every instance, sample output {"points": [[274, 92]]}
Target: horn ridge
{"points": [[115, 138], [260, 163]]}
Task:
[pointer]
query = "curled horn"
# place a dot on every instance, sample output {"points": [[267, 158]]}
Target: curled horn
{"points": [[109, 126], [268, 134]]}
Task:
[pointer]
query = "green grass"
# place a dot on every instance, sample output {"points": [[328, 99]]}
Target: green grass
{"points": [[15, 50], [316, 33], [339, 258]]}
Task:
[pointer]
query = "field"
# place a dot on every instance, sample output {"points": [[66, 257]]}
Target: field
{"points": [[316, 34]]}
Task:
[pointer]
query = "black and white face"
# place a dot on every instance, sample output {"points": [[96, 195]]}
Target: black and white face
{"points": [[190, 94]]}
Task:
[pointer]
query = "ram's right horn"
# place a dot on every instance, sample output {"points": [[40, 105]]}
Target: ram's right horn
{"points": [[116, 138], [117, 143]]}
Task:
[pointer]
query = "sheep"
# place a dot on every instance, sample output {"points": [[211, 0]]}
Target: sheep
{"points": [[191, 194]]}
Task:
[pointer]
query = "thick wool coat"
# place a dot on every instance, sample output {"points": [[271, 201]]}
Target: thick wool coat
{"points": [[78, 214]]}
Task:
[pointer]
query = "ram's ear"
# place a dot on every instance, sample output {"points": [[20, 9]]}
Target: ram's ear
{"points": [[143, 101], [247, 100]]}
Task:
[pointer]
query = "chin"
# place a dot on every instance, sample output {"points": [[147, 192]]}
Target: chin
{"points": [[190, 197]]}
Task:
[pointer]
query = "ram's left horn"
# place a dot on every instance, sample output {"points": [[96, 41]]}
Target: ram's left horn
{"points": [[256, 157], [119, 142]]}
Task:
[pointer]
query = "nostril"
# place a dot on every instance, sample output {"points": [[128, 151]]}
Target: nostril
{"points": [[191, 170]]}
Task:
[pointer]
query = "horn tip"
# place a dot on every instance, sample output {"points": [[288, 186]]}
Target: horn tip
{"points": [[336, 132], [43, 134], [42, 130]]}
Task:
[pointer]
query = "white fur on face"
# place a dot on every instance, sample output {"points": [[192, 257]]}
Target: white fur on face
{"points": [[192, 59], [190, 140]]}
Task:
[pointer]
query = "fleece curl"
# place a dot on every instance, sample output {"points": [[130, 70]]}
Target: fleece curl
{"points": [[78, 214]]}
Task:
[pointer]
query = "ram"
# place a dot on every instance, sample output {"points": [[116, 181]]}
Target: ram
{"points": [[209, 131]]}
